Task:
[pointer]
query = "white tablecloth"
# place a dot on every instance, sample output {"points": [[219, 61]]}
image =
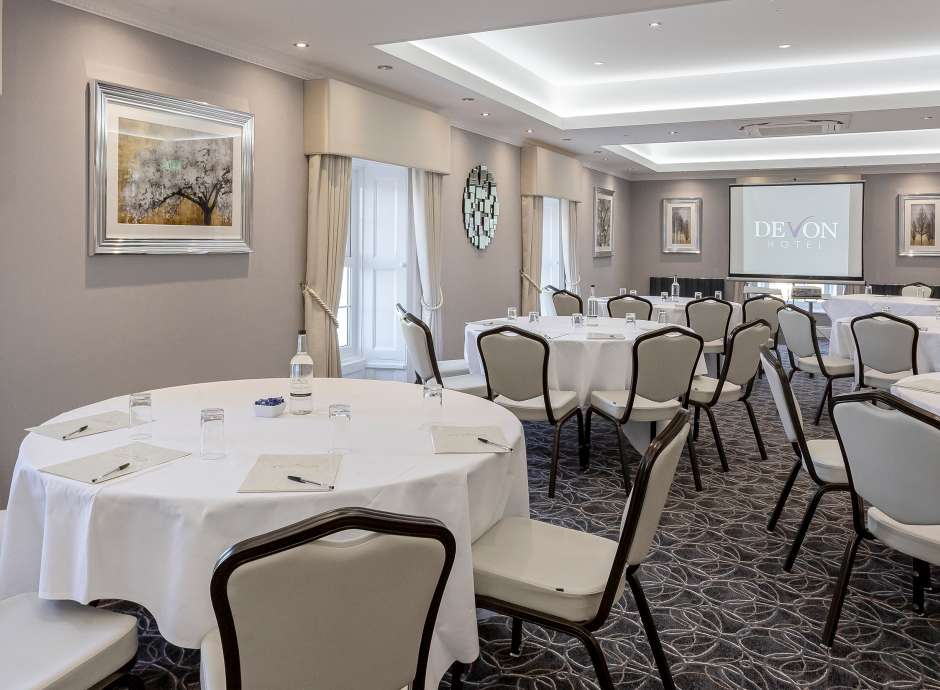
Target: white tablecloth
{"points": [[842, 343], [154, 538], [675, 311], [928, 401], [859, 305]]}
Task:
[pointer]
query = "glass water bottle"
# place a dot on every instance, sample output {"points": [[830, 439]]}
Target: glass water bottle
{"points": [[301, 378], [675, 288], [592, 308]]}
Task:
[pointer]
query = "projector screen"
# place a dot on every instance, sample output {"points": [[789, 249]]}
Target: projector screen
{"points": [[803, 231]]}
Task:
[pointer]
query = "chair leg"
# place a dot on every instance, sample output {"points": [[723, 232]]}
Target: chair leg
{"points": [[693, 460], [553, 473], [804, 526], [838, 596], [515, 646], [587, 437], [757, 436], [627, 484], [698, 411], [827, 393], [457, 670], [651, 634], [717, 436], [582, 448], [784, 495], [921, 585], [790, 375], [597, 658]]}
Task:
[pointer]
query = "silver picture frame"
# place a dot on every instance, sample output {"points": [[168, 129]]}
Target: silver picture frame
{"points": [[681, 220], [106, 235], [917, 224], [603, 222]]}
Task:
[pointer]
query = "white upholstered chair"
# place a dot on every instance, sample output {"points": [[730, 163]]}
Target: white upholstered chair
{"points": [[567, 580], [567, 303], [891, 454], [663, 365], [618, 307], [420, 344], [734, 382], [297, 610], [917, 290], [516, 366], [821, 458], [764, 307], [799, 330], [65, 645], [885, 350], [710, 318]]}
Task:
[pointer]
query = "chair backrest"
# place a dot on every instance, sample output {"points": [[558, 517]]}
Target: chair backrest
{"points": [[294, 609], [567, 303], [884, 342], [664, 363], [618, 307], [709, 317], [743, 354], [799, 330], [763, 307], [420, 344], [515, 363], [890, 453], [917, 290], [787, 406]]}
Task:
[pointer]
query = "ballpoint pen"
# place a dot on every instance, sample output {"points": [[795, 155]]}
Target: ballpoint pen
{"points": [[79, 430], [301, 480], [119, 468], [494, 443]]}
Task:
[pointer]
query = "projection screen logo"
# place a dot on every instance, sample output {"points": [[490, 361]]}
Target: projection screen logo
{"points": [[808, 234]]}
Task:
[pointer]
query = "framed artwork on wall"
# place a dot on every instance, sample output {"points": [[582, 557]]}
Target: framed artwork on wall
{"points": [[682, 226], [917, 225], [167, 175], [603, 222]]}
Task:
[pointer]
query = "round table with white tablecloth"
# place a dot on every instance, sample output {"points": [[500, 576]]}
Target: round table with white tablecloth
{"points": [[842, 344], [675, 310], [861, 304], [154, 537], [922, 390]]}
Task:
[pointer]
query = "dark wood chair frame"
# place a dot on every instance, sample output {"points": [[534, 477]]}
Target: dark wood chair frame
{"points": [[411, 318], [310, 530], [649, 305], [688, 320], [921, 570], [919, 284], [794, 367], [550, 413], [618, 422], [570, 294], [859, 364], [762, 297], [584, 631], [801, 449]]}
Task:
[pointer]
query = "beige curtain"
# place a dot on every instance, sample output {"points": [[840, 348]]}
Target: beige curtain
{"points": [[531, 253], [427, 220], [569, 246], [329, 188]]}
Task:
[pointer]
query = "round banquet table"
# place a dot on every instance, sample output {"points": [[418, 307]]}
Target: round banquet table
{"points": [[861, 304], [675, 311], [922, 390], [842, 343], [154, 537]]}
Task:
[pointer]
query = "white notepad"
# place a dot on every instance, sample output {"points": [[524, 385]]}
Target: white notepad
{"points": [[606, 336], [103, 466], [97, 423], [465, 439], [924, 385], [271, 473]]}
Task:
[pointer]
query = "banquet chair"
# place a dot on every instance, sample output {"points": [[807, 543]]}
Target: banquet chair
{"points": [[765, 307], [710, 318], [663, 364], [734, 382], [799, 330], [297, 610], [890, 451], [567, 303], [618, 307], [516, 366], [885, 350], [65, 645], [821, 458], [446, 367], [917, 290], [567, 580], [420, 344]]}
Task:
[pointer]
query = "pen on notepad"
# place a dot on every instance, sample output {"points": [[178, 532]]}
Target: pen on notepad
{"points": [[119, 468], [494, 443], [301, 480], [79, 430]]}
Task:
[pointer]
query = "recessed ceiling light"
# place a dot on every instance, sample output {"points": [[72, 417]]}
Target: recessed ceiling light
{"points": [[784, 46], [598, 151], [566, 138], [484, 114], [598, 63], [468, 99], [656, 25], [928, 117], [529, 131], [384, 68], [672, 131], [301, 44]]}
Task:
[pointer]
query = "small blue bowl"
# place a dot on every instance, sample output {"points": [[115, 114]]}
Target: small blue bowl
{"points": [[270, 407]]}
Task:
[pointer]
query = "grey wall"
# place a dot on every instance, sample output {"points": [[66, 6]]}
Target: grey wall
{"points": [[75, 329]]}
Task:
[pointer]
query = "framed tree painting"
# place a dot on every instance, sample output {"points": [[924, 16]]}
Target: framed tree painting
{"points": [[917, 225], [603, 222], [168, 175], [682, 226]]}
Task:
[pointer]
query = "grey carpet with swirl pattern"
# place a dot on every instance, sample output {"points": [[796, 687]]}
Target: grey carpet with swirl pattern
{"points": [[727, 613]]}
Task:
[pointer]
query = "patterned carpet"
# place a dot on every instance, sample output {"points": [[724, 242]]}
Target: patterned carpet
{"points": [[728, 616]]}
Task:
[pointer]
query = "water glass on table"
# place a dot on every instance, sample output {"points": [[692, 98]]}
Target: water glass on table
{"points": [[719, 294], [697, 295], [633, 293], [868, 289], [340, 422], [577, 320], [511, 314], [139, 415], [629, 320], [661, 316], [622, 291], [212, 443], [533, 317], [433, 396], [664, 296]]}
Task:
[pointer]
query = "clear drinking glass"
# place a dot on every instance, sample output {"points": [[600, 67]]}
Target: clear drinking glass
{"points": [[577, 320], [868, 289], [433, 394], [629, 321], [664, 296], [886, 309], [622, 291], [533, 317], [511, 313], [938, 313], [718, 294], [212, 446], [340, 423], [661, 316], [139, 415], [697, 295], [633, 293]]}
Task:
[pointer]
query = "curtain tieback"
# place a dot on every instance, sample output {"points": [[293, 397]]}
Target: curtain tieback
{"points": [[316, 298], [527, 277], [440, 303]]}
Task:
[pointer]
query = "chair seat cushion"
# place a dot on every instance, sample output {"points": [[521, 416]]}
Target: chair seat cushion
{"points": [[918, 541], [827, 459], [211, 662], [882, 380], [452, 367], [835, 366], [712, 347], [533, 409], [554, 570], [61, 644], [614, 403], [703, 389], [467, 383]]}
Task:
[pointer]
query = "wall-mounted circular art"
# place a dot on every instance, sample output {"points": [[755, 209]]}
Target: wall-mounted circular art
{"points": [[480, 207]]}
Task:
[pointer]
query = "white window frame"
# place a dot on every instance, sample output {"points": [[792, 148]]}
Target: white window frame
{"points": [[552, 215]]}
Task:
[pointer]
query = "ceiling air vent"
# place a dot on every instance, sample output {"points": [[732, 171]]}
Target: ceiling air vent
{"points": [[791, 128]]}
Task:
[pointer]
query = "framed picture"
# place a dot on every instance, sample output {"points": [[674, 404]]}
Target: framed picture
{"points": [[603, 222], [167, 175], [917, 225], [682, 226]]}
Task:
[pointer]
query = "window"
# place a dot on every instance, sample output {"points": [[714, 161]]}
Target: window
{"points": [[553, 263]]}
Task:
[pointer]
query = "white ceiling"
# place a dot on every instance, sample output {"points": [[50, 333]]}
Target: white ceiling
{"points": [[712, 66]]}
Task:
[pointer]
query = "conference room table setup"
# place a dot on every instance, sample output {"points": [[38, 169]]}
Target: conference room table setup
{"points": [[674, 308], [850, 306], [842, 344]]}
